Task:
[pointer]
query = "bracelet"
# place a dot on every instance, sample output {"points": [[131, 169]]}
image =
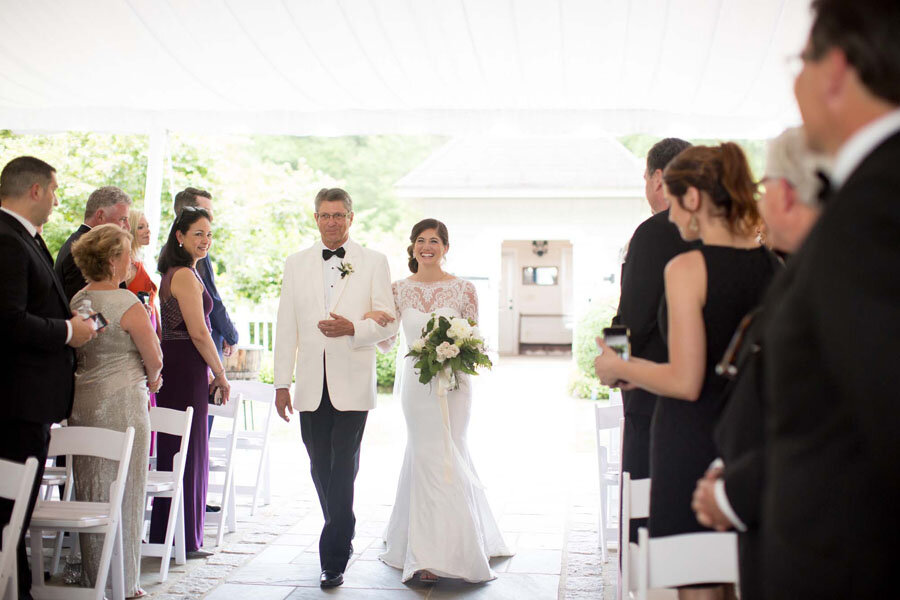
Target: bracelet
{"points": [[216, 375]]}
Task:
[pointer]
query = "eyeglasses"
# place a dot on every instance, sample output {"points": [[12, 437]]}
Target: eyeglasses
{"points": [[338, 217]]}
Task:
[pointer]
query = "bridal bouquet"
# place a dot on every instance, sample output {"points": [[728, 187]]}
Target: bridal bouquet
{"points": [[447, 347]]}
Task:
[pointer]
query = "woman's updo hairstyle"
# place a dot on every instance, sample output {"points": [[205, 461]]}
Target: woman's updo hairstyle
{"points": [[93, 251], [173, 254], [418, 228], [724, 174]]}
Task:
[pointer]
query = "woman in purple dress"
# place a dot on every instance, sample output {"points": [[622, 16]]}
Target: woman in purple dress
{"points": [[190, 355]]}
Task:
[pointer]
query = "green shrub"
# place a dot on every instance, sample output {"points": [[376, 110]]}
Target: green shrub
{"points": [[583, 383], [385, 367]]}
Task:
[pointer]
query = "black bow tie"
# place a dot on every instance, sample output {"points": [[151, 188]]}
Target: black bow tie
{"points": [[826, 188], [326, 253]]}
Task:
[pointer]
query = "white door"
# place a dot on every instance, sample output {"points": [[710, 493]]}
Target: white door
{"points": [[509, 312]]}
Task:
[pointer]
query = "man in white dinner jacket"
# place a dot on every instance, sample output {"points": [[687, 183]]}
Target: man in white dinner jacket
{"points": [[323, 339]]}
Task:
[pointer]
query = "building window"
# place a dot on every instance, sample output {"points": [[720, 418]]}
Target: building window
{"points": [[540, 275]]}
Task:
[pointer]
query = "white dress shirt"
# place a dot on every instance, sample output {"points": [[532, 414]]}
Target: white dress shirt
{"points": [[861, 144], [32, 231], [331, 272]]}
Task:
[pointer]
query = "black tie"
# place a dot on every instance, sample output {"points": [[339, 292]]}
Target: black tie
{"points": [[326, 253], [40, 242], [826, 188]]}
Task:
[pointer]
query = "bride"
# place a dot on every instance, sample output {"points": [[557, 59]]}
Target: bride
{"points": [[441, 524]]}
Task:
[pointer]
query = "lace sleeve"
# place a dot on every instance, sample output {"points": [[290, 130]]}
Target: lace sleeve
{"points": [[470, 306]]}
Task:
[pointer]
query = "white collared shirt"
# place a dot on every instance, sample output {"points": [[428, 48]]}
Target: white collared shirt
{"points": [[28, 225], [331, 272], [861, 144], [32, 231]]}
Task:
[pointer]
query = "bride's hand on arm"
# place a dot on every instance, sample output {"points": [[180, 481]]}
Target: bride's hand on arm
{"points": [[379, 316]]}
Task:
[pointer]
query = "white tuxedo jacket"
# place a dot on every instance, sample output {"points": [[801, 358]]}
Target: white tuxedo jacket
{"points": [[300, 347]]}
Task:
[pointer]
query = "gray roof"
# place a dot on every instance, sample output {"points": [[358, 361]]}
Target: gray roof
{"points": [[526, 167]]}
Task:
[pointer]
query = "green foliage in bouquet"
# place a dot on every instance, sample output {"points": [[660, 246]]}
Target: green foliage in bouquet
{"points": [[455, 343]]}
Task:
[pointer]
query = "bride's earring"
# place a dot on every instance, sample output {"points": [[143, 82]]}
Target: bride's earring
{"points": [[694, 224]]}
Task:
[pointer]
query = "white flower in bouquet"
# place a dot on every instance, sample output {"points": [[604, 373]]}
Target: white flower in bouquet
{"points": [[459, 329], [418, 345], [446, 350], [476, 333]]}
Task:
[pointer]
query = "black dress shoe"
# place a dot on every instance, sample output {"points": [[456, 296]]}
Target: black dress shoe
{"points": [[331, 579], [213, 508]]}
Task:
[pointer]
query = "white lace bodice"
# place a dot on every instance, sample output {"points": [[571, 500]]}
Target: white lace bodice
{"points": [[457, 295]]}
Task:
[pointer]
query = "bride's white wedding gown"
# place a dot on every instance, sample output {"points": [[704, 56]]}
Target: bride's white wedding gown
{"points": [[441, 521]]}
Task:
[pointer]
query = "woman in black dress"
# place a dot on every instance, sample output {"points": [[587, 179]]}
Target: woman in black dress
{"points": [[712, 198]]}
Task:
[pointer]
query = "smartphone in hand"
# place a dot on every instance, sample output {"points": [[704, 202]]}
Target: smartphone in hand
{"points": [[618, 337], [99, 321]]}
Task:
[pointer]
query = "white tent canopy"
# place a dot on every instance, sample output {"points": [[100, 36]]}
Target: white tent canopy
{"points": [[692, 68]]}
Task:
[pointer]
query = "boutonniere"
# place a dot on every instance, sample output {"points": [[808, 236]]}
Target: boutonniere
{"points": [[345, 269]]}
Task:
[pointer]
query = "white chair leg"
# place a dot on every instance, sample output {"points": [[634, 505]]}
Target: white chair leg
{"points": [[171, 528], [604, 516], [37, 558], [180, 547], [232, 509], [57, 551], [267, 480], [117, 566]]}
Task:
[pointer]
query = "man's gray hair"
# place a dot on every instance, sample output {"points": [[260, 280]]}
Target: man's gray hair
{"points": [[334, 195], [105, 197], [789, 158]]}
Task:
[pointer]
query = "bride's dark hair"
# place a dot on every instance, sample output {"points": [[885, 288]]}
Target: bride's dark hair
{"points": [[418, 228]]}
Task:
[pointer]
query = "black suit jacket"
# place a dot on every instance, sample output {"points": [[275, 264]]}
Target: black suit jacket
{"points": [[222, 327], [66, 270], [36, 366], [830, 515], [655, 242]]}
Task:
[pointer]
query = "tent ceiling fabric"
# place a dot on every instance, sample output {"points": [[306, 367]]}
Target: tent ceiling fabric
{"points": [[333, 67]]}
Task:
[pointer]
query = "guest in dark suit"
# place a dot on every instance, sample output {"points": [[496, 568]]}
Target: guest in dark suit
{"points": [[37, 331], [108, 204], [730, 496], [654, 243], [830, 520]]}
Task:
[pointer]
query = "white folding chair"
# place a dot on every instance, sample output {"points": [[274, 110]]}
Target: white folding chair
{"points": [[690, 558], [608, 419], [635, 505], [85, 517], [256, 440], [169, 484], [16, 482], [221, 460]]}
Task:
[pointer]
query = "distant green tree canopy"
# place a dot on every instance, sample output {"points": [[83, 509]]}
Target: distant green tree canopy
{"points": [[263, 188]]}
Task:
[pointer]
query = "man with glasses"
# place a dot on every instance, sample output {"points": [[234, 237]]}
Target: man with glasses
{"points": [[830, 519], [323, 340]]}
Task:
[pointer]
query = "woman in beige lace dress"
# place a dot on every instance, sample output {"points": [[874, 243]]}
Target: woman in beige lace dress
{"points": [[116, 370]]}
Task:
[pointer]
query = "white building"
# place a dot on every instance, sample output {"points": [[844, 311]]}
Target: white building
{"points": [[539, 224]]}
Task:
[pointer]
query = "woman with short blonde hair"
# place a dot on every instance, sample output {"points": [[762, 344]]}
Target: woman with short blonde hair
{"points": [[116, 370]]}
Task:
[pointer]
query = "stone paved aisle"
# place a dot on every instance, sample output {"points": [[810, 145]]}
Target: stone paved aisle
{"points": [[534, 450]]}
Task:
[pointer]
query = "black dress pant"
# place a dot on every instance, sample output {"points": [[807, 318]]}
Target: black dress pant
{"points": [[332, 438], [636, 456], [18, 441]]}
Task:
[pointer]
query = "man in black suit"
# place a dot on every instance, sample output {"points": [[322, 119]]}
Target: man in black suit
{"points": [[730, 496], [107, 204], [830, 519], [655, 242], [37, 330]]}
